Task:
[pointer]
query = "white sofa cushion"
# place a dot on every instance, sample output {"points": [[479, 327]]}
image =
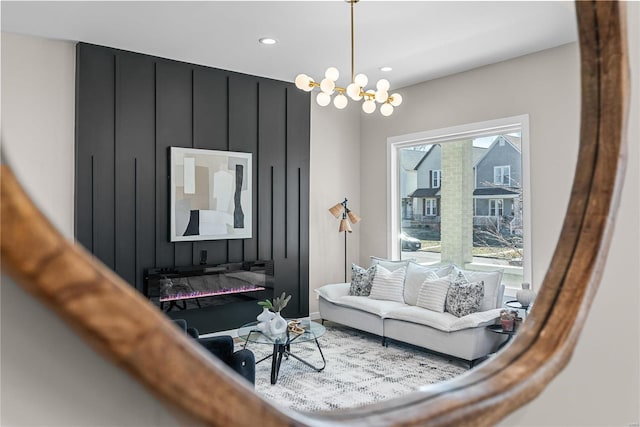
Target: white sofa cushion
{"points": [[445, 322], [433, 294], [388, 285], [415, 277], [373, 306], [334, 291], [389, 264]]}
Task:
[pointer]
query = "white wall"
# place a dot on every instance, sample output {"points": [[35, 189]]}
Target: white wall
{"points": [[335, 174], [544, 85], [49, 376]]}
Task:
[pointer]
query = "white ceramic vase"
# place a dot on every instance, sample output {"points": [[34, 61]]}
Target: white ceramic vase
{"points": [[526, 295], [264, 321], [278, 324]]}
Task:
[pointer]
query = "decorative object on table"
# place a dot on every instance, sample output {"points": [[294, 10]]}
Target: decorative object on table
{"points": [[295, 328], [347, 216], [271, 323], [526, 295], [355, 90], [507, 320], [210, 194], [517, 323]]}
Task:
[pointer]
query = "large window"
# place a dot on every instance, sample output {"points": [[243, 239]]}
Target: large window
{"points": [[463, 211]]}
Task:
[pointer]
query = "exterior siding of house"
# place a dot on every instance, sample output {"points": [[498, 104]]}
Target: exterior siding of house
{"points": [[502, 153]]}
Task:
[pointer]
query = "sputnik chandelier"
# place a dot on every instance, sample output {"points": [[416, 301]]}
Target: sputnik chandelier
{"points": [[355, 90]]}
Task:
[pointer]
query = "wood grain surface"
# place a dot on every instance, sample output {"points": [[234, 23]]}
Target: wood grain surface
{"points": [[120, 324]]}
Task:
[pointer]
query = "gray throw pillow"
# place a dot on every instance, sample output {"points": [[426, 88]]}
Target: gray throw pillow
{"points": [[464, 298], [361, 280]]}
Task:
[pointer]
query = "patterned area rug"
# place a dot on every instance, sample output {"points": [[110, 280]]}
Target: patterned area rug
{"points": [[359, 371]]}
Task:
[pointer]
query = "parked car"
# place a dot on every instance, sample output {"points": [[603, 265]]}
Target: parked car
{"points": [[410, 243]]}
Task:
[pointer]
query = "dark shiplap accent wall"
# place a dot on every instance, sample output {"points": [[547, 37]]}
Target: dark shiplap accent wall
{"points": [[130, 108]]}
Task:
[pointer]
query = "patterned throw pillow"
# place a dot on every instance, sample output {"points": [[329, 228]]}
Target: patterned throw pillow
{"points": [[388, 285], [433, 294], [464, 298], [361, 280]]}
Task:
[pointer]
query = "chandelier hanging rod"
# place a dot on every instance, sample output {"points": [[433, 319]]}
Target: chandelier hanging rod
{"points": [[355, 90]]}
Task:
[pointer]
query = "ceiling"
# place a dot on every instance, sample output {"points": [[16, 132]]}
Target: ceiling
{"points": [[421, 40]]}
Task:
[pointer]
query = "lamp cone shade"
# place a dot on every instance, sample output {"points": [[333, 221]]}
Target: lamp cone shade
{"points": [[336, 210], [353, 217], [344, 226]]}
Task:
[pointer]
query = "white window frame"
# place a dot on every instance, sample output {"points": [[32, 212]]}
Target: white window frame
{"points": [[436, 178], [493, 208], [431, 208], [501, 171], [464, 131]]}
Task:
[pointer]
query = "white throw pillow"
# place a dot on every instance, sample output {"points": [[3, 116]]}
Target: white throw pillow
{"points": [[388, 285], [433, 294], [415, 277]]}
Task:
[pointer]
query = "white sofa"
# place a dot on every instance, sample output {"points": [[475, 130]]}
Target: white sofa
{"points": [[461, 337]]}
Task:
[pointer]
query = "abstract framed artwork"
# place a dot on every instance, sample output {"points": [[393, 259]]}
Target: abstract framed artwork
{"points": [[211, 194]]}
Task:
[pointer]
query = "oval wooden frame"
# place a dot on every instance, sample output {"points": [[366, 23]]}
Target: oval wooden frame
{"points": [[119, 323]]}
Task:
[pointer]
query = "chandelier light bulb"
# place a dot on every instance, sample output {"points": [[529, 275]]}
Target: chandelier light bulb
{"points": [[383, 85], [382, 96], [340, 101], [369, 106], [386, 109], [332, 73], [397, 99], [323, 99], [361, 80], [327, 86], [302, 82], [353, 90]]}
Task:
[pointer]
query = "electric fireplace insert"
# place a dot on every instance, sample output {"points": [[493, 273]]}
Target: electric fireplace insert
{"points": [[183, 288]]}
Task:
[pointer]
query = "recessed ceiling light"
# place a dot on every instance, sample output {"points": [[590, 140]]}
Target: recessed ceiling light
{"points": [[385, 69], [268, 40]]}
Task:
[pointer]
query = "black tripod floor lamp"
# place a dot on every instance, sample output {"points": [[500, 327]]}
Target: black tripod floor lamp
{"points": [[348, 216]]}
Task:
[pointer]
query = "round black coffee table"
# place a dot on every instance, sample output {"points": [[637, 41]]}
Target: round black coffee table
{"points": [[282, 343]]}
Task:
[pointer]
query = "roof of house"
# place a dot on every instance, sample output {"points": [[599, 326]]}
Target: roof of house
{"points": [[409, 159], [515, 141], [494, 191], [425, 192], [478, 153]]}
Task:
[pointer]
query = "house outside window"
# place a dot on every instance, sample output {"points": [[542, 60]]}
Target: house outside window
{"points": [[502, 175], [436, 176], [496, 207]]}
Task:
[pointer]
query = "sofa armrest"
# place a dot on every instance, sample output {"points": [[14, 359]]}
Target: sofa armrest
{"points": [[334, 291], [475, 320]]}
